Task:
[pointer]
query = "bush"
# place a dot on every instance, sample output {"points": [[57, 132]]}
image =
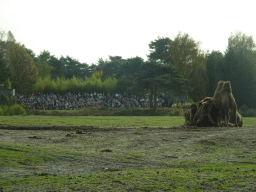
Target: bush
{"points": [[5, 100], [1, 111], [186, 105], [6, 110], [13, 110], [244, 107], [248, 112], [18, 110], [176, 112]]}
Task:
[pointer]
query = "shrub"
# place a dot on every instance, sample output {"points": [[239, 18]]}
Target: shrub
{"points": [[5, 100], [18, 110], [1, 111], [186, 106], [248, 112], [244, 107], [6, 110], [13, 110], [176, 112]]}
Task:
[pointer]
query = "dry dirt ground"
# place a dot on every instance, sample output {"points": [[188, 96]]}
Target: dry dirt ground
{"points": [[113, 149]]}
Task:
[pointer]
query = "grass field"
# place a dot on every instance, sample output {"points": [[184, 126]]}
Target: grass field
{"points": [[103, 121], [210, 176], [98, 121]]}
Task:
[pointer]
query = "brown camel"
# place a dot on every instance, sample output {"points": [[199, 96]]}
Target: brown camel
{"points": [[225, 101], [205, 118]]}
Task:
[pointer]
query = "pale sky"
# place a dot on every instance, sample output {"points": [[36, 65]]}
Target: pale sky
{"points": [[90, 29]]}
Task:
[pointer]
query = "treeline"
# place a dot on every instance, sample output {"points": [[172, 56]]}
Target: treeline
{"points": [[175, 66], [63, 85]]}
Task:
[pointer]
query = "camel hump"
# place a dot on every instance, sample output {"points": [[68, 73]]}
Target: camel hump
{"points": [[227, 87], [219, 87]]}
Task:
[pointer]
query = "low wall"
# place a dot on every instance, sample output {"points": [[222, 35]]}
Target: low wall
{"points": [[9, 92]]}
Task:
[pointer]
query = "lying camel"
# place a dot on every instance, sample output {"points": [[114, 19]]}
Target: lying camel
{"points": [[205, 118]]}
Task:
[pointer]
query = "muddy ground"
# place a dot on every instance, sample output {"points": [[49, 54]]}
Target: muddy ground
{"points": [[116, 149]]}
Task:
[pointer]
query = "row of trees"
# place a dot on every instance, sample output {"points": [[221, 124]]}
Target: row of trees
{"points": [[175, 66], [63, 85]]}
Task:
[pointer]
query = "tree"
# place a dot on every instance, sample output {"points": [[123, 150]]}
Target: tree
{"points": [[2, 41], [44, 69], [44, 56], [240, 68], [7, 84], [30, 52], [127, 73], [154, 77], [4, 69], [159, 50], [215, 70], [190, 61], [74, 67], [24, 71], [110, 67], [58, 67]]}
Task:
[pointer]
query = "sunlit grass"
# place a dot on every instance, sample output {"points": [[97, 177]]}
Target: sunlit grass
{"points": [[216, 177], [97, 121], [104, 121]]}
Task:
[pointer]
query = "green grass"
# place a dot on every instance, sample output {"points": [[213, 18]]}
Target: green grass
{"points": [[97, 121], [189, 177], [104, 121], [16, 155], [218, 176]]}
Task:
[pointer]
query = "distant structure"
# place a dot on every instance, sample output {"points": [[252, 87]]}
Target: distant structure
{"points": [[8, 92]]}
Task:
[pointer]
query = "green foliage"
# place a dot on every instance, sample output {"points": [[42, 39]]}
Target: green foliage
{"points": [[44, 69], [176, 112], [63, 85], [13, 110], [23, 68], [18, 110], [4, 69], [58, 67], [214, 65], [248, 112], [239, 68], [7, 84], [6, 110], [190, 61], [74, 67], [6, 100], [159, 50], [1, 111]]}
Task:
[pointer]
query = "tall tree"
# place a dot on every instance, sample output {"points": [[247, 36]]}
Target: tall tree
{"points": [[44, 56], [240, 68], [214, 67], [44, 69], [127, 72], [74, 67], [190, 61], [4, 69], [24, 71], [154, 77], [58, 67], [159, 50], [110, 67]]}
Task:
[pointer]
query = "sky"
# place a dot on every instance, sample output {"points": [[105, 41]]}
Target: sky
{"points": [[87, 30]]}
